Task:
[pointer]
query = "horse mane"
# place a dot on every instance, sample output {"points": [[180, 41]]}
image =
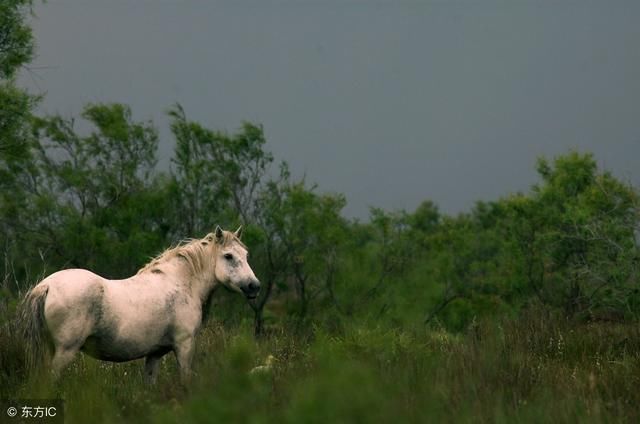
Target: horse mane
{"points": [[193, 251]]}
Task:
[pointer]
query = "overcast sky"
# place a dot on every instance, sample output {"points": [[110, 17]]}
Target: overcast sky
{"points": [[389, 102]]}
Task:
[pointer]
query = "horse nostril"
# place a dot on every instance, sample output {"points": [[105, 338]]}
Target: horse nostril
{"points": [[254, 286], [251, 289]]}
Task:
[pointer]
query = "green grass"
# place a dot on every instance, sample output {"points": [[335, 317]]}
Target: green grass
{"points": [[536, 368]]}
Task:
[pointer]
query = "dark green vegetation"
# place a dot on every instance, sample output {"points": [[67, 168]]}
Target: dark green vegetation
{"points": [[523, 309]]}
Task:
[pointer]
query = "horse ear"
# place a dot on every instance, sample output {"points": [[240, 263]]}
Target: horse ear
{"points": [[238, 232], [219, 234]]}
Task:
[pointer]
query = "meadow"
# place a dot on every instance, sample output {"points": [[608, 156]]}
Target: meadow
{"points": [[535, 368]]}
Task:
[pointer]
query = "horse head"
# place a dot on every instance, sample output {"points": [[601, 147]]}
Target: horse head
{"points": [[231, 265]]}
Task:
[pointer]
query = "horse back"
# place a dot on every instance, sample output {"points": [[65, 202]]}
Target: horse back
{"points": [[74, 283]]}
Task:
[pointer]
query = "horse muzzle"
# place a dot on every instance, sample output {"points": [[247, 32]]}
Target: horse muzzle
{"points": [[251, 289]]}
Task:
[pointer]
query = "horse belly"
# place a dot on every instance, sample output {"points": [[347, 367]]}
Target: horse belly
{"points": [[108, 346], [121, 338], [96, 348]]}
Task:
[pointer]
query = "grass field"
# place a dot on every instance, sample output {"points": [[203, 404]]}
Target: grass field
{"points": [[537, 368]]}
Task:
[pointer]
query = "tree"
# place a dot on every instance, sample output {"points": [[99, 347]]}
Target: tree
{"points": [[93, 201], [16, 39], [469, 264], [301, 231], [217, 175], [16, 49], [578, 234], [273, 256]]}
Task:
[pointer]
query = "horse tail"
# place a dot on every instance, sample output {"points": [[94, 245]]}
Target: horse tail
{"points": [[34, 327]]}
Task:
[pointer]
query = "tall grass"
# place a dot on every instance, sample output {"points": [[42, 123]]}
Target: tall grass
{"points": [[536, 368]]}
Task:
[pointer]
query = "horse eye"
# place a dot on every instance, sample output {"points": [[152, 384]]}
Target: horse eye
{"points": [[228, 256]]}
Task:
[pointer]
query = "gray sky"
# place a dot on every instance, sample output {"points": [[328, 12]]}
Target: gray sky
{"points": [[389, 102]]}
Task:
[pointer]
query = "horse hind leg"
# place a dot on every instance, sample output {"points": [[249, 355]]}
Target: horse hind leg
{"points": [[70, 323], [61, 358], [68, 338]]}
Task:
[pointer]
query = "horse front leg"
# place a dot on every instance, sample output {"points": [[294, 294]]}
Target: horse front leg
{"points": [[151, 366], [184, 354]]}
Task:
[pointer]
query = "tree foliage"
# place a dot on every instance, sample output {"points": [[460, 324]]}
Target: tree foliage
{"points": [[16, 49], [578, 232], [90, 201], [217, 175], [16, 38]]}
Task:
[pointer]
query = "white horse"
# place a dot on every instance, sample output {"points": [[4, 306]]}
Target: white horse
{"points": [[156, 311]]}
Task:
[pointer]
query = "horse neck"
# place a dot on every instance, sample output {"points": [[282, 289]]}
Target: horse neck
{"points": [[203, 284]]}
